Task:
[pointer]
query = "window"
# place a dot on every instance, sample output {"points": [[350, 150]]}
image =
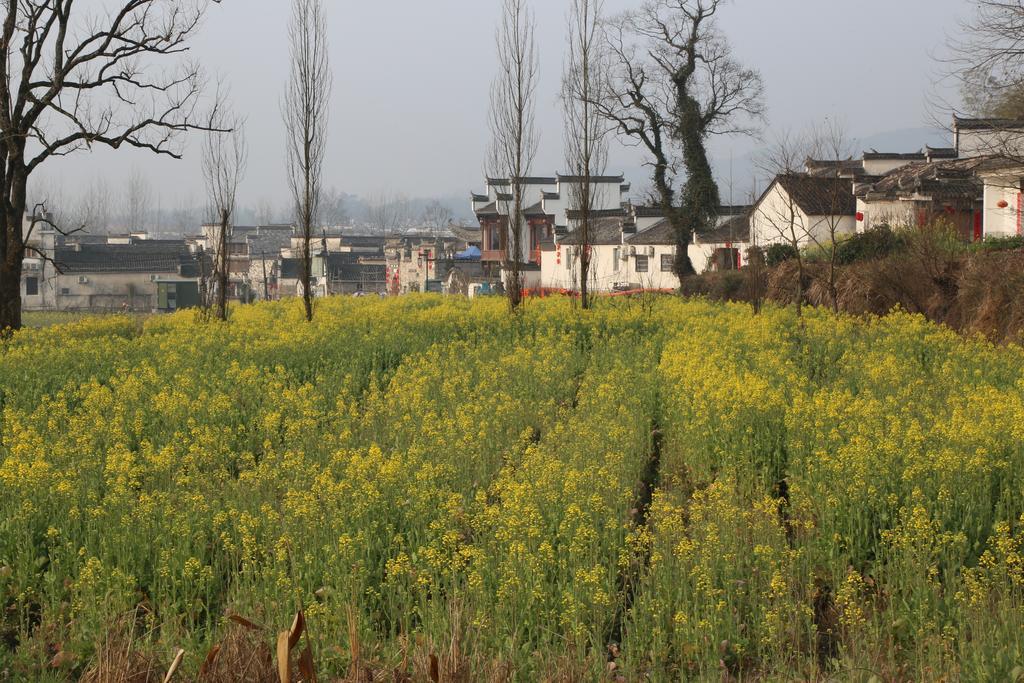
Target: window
{"points": [[31, 286], [615, 259], [641, 264], [65, 291], [666, 263]]}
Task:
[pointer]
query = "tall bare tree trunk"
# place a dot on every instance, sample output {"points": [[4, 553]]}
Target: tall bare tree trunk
{"points": [[306, 107], [13, 247], [222, 266], [583, 86], [513, 134], [224, 160]]}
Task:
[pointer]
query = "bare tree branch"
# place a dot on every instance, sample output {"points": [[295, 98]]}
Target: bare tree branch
{"points": [[225, 156], [586, 130], [674, 82], [73, 78], [306, 108], [514, 139]]}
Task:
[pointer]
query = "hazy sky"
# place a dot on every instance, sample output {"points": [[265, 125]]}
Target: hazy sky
{"points": [[412, 78]]}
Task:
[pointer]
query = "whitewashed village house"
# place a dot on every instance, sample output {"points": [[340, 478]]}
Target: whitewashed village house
{"points": [[546, 205], [803, 209], [38, 280], [635, 249], [1003, 198], [975, 185], [918, 193], [631, 247], [141, 275]]}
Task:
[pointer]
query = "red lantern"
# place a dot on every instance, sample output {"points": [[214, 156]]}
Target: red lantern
{"points": [[860, 217], [1003, 204]]}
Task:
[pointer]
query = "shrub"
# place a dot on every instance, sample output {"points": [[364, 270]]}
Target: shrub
{"points": [[871, 244], [999, 243], [780, 253]]}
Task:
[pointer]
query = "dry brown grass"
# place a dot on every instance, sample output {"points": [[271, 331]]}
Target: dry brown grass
{"points": [[975, 294], [242, 655], [119, 659]]}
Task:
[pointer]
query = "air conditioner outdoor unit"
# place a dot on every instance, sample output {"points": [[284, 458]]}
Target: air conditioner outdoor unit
{"points": [[83, 280], [650, 251], [632, 251], [623, 255]]}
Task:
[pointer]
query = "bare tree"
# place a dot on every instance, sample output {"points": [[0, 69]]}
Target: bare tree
{"points": [[95, 206], [71, 79], [264, 212], [224, 160], [514, 138], [387, 213], [306, 105], [586, 130], [779, 215], [185, 215], [137, 197], [674, 83], [830, 143], [988, 59], [49, 193], [436, 217], [332, 211]]}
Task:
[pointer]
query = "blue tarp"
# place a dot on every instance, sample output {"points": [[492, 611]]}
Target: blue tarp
{"points": [[471, 254]]}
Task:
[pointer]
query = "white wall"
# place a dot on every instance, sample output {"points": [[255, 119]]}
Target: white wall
{"points": [[609, 271], [701, 253], [43, 273], [891, 212], [1002, 221], [606, 195], [107, 291], [771, 219], [645, 222], [560, 268], [973, 143], [656, 276], [776, 219]]}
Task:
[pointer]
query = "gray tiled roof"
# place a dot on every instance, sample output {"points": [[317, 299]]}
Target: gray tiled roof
{"points": [[820, 196], [956, 178], [987, 124], [156, 257], [617, 179], [535, 210], [489, 210], [606, 230], [659, 233], [735, 229], [268, 243]]}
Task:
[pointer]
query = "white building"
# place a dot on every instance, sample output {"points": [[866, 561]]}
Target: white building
{"points": [[635, 249], [803, 209], [919, 193], [38, 277], [725, 247], [117, 277], [988, 137], [547, 207], [1003, 198]]}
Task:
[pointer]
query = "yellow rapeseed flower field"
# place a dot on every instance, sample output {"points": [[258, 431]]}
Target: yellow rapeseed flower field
{"points": [[653, 490]]}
